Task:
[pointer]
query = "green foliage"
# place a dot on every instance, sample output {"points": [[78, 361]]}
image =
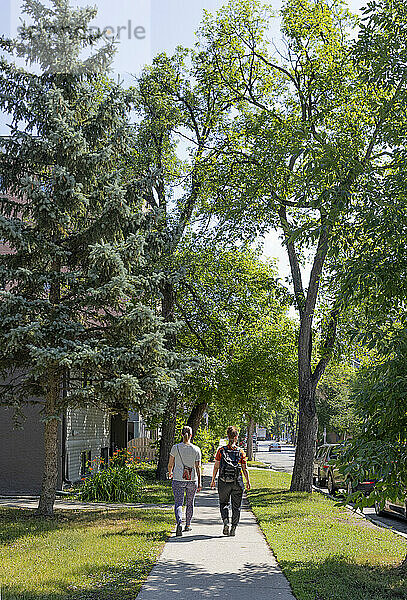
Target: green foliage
{"points": [[373, 271], [319, 124], [335, 406], [380, 448], [230, 301], [301, 123], [260, 376], [371, 246], [119, 481], [77, 303], [222, 292], [208, 442], [180, 116]]}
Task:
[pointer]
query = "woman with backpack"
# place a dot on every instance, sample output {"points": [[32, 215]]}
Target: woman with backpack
{"points": [[230, 461], [184, 468]]}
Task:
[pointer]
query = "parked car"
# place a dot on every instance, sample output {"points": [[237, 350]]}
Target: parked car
{"points": [[255, 444], [327, 474], [395, 507], [275, 447]]}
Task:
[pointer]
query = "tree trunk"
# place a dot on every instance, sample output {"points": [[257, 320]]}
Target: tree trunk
{"points": [[195, 418], [250, 431], [169, 421], [52, 418], [167, 436], [308, 380], [307, 430], [50, 474], [295, 429]]}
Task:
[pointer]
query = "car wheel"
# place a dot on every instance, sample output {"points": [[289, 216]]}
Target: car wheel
{"points": [[320, 482], [331, 486], [378, 509]]}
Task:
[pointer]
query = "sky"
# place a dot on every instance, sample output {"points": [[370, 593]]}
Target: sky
{"points": [[142, 29]]}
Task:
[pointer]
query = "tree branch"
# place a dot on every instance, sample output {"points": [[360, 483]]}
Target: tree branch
{"points": [[327, 347], [294, 264]]}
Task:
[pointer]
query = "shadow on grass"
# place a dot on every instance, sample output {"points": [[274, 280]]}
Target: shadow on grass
{"points": [[332, 579], [18, 523], [264, 497], [104, 582], [155, 536], [339, 579], [172, 578]]}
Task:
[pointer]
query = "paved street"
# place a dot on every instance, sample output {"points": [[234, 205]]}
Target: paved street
{"points": [[205, 564], [279, 461], [399, 525], [284, 461]]}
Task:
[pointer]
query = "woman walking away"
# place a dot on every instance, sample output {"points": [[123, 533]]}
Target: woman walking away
{"points": [[230, 461], [184, 468]]}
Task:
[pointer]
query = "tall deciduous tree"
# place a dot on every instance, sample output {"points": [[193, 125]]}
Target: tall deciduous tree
{"points": [[181, 110], [312, 128], [76, 325]]}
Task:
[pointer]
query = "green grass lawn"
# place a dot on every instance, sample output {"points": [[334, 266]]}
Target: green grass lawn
{"points": [[79, 555], [257, 463], [327, 552], [155, 492]]}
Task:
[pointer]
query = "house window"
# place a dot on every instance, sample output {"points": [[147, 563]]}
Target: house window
{"points": [[86, 457], [104, 456], [130, 431]]}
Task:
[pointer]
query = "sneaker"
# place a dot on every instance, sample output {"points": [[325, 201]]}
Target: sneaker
{"points": [[187, 528], [178, 533], [226, 529], [233, 530]]}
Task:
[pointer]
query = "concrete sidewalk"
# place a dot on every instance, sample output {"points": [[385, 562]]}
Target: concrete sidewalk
{"points": [[64, 504], [205, 564]]}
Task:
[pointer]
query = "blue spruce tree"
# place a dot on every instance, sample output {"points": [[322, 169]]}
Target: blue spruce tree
{"points": [[76, 301]]}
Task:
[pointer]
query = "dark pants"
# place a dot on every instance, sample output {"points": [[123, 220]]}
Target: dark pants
{"points": [[230, 492]]}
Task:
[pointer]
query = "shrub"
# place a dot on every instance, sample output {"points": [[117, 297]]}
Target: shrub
{"points": [[119, 481]]}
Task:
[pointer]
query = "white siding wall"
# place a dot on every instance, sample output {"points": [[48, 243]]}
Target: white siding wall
{"points": [[86, 429], [140, 428]]}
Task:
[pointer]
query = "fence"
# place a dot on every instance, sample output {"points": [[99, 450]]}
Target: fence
{"points": [[142, 448]]}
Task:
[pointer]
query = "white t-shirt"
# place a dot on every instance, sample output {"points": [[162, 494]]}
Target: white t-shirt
{"points": [[189, 454]]}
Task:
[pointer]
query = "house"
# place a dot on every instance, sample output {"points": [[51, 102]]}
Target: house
{"points": [[86, 435]]}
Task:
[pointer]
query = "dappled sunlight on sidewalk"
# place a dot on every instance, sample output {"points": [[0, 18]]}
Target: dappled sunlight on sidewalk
{"points": [[204, 563]]}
